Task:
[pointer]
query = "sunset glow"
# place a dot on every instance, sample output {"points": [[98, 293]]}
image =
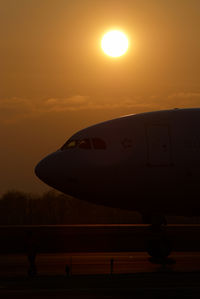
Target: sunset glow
{"points": [[61, 71], [114, 43]]}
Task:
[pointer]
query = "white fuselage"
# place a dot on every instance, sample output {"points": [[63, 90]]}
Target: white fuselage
{"points": [[145, 162]]}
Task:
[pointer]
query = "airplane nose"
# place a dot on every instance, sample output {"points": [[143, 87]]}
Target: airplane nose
{"points": [[46, 169], [58, 171], [41, 170]]}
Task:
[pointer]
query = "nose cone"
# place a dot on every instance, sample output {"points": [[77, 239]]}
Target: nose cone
{"points": [[41, 170], [45, 170], [57, 170]]}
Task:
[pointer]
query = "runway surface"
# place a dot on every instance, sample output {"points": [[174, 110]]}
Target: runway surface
{"points": [[134, 276], [97, 263], [92, 252], [94, 238]]}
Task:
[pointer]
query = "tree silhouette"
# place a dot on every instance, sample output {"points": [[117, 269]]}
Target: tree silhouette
{"points": [[52, 207]]}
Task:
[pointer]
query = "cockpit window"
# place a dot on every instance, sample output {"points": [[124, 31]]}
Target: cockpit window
{"points": [[69, 144], [85, 144], [98, 143]]}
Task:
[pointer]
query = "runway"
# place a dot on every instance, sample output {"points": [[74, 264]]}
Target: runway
{"points": [[97, 263], [94, 238], [133, 276]]}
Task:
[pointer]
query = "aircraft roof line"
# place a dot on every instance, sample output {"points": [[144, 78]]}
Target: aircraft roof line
{"points": [[158, 112]]}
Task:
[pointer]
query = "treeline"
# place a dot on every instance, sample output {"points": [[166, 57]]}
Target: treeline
{"points": [[20, 208]]}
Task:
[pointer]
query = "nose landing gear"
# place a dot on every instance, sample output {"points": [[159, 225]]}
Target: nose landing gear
{"points": [[158, 245]]}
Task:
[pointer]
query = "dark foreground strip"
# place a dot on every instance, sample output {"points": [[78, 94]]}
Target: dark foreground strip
{"points": [[171, 281]]}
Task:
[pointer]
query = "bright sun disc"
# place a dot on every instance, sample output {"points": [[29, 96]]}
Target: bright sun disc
{"points": [[114, 43]]}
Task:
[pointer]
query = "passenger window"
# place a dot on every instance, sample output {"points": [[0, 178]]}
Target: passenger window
{"points": [[69, 144], [85, 144], [98, 143]]}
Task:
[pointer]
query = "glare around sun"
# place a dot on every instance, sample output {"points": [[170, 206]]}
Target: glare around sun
{"points": [[114, 43]]}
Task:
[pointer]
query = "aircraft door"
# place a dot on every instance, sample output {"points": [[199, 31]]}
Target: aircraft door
{"points": [[159, 145]]}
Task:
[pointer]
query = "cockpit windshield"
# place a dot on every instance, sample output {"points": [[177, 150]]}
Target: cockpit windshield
{"points": [[86, 143], [69, 144]]}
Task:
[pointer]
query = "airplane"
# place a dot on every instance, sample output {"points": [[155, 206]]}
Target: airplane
{"points": [[147, 162]]}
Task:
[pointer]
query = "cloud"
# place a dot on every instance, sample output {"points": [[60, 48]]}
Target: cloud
{"points": [[186, 95], [15, 109], [185, 98], [76, 102], [12, 105]]}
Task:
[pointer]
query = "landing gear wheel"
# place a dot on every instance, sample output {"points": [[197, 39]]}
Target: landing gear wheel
{"points": [[158, 245], [159, 248], [32, 272]]}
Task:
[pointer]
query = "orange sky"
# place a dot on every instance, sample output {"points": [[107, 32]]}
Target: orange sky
{"points": [[56, 80]]}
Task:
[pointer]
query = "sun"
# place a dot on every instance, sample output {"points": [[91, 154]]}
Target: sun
{"points": [[114, 43]]}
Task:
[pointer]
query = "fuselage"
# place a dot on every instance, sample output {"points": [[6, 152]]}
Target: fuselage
{"points": [[144, 162]]}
